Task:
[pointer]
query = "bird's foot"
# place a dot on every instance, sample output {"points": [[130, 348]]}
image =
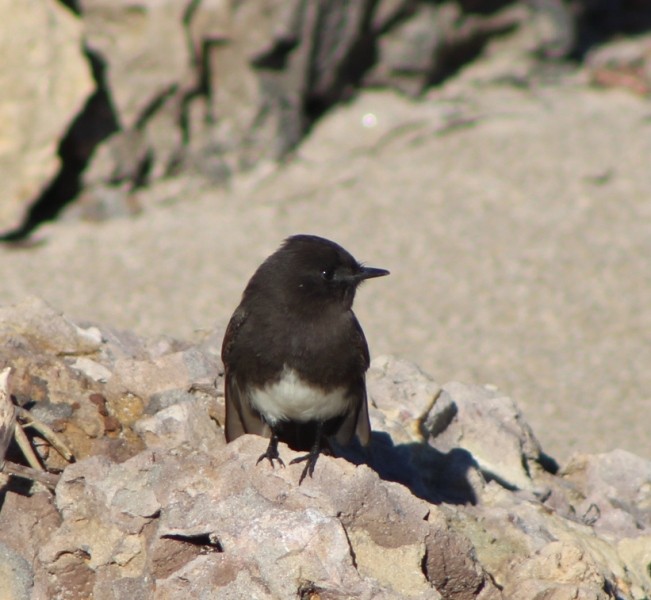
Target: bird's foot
{"points": [[310, 464], [271, 453]]}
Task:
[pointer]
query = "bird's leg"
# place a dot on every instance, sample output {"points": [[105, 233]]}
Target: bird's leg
{"points": [[271, 453], [312, 456]]}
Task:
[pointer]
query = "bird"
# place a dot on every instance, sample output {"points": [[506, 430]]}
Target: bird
{"points": [[295, 356]]}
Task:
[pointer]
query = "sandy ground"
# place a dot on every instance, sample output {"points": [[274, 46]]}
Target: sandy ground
{"points": [[516, 224]]}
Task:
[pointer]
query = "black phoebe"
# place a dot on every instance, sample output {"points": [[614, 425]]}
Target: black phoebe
{"points": [[295, 356]]}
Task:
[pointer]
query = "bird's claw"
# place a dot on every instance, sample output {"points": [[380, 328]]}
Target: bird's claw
{"points": [[271, 454], [309, 467]]}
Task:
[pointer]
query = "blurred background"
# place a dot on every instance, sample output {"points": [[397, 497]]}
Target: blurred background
{"points": [[493, 154]]}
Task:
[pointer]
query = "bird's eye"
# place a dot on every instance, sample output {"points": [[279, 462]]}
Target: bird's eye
{"points": [[328, 274]]}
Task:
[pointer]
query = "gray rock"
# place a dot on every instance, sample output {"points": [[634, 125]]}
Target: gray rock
{"points": [[50, 413], [222, 86], [616, 489], [16, 576], [92, 369], [129, 39], [149, 72], [178, 516], [428, 42], [93, 387], [231, 38], [162, 400], [26, 523], [559, 570], [408, 52], [187, 422], [109, 587]]}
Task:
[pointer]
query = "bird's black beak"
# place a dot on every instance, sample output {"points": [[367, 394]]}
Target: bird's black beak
{"points": [[369, 273]]}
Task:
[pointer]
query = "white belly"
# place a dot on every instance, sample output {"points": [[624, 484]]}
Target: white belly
{"points": [[291, 399]]}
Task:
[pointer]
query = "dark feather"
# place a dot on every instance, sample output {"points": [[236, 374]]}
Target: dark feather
{"points": [[296, 313]]}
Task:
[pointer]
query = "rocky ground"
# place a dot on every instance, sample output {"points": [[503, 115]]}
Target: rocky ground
{"points": [[456, 499]]}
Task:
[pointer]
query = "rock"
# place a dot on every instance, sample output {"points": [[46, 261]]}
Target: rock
{"points": [[452, 501], [431, 41], [403, 396], [103, 381], [636, 554], [219, 86], [36, 323], [187, 422], [92, 369], [398, 569], [452, 565], [408, 51], [521, 545], [128, 37], [26, 523], [16, 577], [254, 524], [149, 71], [559, 570], [622, 63], [192, 579], [616, 488], [44, 82], [230, 38], [490, 427], [122, 345], [175, 371]]}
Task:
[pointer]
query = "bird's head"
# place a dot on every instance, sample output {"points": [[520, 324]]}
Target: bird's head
{"points": [[313, 270]]}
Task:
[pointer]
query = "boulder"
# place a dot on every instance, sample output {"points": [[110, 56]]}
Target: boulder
{"points": [[44, 82]]}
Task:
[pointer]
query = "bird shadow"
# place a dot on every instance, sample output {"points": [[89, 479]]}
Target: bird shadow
{"points": [[435, 476]]}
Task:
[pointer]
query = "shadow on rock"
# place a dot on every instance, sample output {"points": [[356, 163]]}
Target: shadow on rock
{"points": [[429, 474]]}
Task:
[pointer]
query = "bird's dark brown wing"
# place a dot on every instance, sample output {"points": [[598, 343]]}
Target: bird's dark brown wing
{"points": [[363, 427], [240, 416], [357, 421], [234, 325]]}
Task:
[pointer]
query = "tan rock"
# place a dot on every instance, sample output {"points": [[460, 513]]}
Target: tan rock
{"points": [[561, 570], [190, 513], [47, 328], [44, 82], [491, 427], [398, 568]]}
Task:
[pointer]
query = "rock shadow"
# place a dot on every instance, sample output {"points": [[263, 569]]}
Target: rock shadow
{"points": [[435, 476]]}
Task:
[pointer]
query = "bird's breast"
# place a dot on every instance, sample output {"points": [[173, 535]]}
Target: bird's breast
{"points": [[289, 398]]}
